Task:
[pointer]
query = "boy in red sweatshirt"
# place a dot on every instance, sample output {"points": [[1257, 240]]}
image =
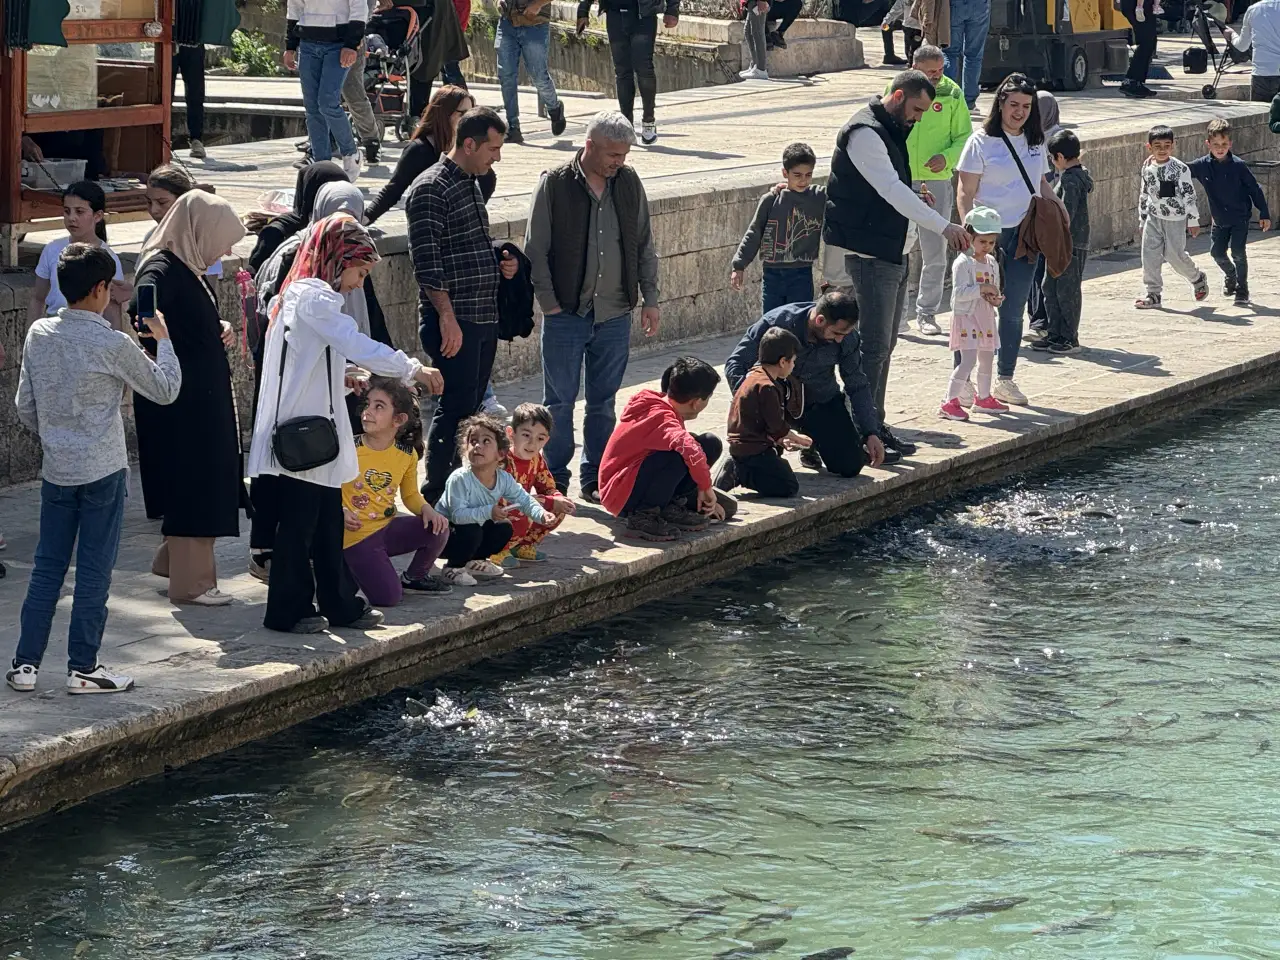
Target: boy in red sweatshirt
{"points": [[529, 432], [654, 470]]}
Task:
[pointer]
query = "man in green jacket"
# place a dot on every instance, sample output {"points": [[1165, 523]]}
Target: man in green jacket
{"points": [[933, 148]]}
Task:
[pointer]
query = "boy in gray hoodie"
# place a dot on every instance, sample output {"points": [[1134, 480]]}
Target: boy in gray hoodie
{"points": [[1062, 295]]}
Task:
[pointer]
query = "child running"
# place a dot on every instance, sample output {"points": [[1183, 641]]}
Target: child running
{"points": [[1233, 192], [388, 454], [479, 523], [1167, 210], [975, 284], [529, 432], [84, 206]]}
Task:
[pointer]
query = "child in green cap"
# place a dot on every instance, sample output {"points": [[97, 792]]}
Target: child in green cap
{"points": [[975, 336]]}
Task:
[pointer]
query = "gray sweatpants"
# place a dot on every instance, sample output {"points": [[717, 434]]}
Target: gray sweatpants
{"points": [[755, 35], [933, 253], [357, 101], [1165, 241]]}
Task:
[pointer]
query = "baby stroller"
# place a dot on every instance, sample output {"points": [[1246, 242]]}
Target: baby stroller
{"points": [[391, 38], [1195, 60]]}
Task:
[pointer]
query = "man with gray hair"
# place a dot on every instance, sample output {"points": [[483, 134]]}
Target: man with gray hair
{"points": [[591, 246]]}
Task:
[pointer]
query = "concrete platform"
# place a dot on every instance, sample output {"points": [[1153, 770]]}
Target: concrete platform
{"points": [[211, 679]]}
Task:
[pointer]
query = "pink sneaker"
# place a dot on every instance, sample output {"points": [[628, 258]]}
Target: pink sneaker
{"points": [[951, 410], [990, 404]]}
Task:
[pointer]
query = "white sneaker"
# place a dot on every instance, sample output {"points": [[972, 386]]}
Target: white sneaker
{"points": [[485, 569], [97, 680], [648, 131], [1007, 391], [213, 597], [351, 166], [904, 325], [23, 678], [198, 151], [457, 576], [494, 409], [753, 73], [929, 326], [967, 394]]}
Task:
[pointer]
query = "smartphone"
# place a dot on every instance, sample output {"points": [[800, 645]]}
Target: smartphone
{"points": [[146, 306]]}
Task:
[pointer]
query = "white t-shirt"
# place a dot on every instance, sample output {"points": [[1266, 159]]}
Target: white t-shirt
{"points": [[1002, 187], [47, 269]]}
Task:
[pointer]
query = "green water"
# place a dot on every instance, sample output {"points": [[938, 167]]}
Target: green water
{"points": [[1041, 714]]}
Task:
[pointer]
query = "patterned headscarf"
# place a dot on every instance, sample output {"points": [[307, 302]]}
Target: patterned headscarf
{"points": [[330, 246]]}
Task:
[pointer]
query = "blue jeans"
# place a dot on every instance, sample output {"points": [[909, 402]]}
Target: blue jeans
{"points": [[322, 75], [568, 341], [95, 512], [969, 22], [512, 43], [784, 285]]}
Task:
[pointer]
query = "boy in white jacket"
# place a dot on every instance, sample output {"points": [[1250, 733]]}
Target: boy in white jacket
{"points": [[1167, 209]]}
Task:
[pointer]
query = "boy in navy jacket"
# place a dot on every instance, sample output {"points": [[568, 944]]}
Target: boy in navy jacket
{"points": [[1233, 193]]}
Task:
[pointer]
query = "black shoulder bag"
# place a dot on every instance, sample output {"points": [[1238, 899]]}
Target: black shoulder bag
{"points": [[305, 443]]}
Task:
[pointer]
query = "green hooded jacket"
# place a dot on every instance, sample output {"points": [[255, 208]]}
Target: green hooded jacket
{"points": [[944, 129]]}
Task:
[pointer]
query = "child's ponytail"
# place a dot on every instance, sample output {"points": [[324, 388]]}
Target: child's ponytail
{"points": [[95, 197], [410, 436]]}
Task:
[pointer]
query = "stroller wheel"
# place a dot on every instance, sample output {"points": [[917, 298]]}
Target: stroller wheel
{"points": [[1209, 91]]}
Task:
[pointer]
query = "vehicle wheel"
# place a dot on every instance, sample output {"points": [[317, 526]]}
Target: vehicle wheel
{"points": [[1209, 91], [1077, 69]]}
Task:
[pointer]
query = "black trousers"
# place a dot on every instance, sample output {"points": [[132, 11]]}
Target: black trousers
{"points": [[768, 474], [264, 493], [307, 567], [784, 11], [664, 478], [189, 61], [1234, 236], [1144, 36], [835, 436], [631, 40], [466, 375], [474, 541]]}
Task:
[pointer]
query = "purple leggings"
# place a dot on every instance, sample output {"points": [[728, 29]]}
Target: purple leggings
{"points": [[370, 560]]}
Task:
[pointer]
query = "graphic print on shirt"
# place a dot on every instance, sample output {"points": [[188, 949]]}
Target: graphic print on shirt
{"points": [[783, 237], [1168, 192]]}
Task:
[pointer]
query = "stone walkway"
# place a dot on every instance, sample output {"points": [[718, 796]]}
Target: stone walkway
{"points": [[208, 679]]}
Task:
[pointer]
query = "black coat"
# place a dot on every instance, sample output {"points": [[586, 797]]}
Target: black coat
{"points": [[189, 451], [515, 296]]}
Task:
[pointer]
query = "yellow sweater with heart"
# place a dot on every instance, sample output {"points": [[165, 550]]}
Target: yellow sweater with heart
{"points": [[371, 496]]}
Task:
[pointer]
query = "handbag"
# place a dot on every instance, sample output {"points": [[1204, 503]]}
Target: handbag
{"points": [[304, 443]]}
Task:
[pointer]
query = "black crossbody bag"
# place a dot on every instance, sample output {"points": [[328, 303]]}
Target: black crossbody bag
{"points": [[305, 443]]}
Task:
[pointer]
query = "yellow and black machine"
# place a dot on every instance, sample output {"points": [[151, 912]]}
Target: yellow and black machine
{"points": [[1060, 44]]}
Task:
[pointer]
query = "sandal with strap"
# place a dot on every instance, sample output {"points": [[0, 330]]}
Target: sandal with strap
{"points": [[1148, 302]]}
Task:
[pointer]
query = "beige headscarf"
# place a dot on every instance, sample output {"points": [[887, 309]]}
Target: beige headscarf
{"points": [[198, 229]]}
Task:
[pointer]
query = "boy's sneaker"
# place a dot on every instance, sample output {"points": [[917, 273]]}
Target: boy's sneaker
{"points": [[1228, 286], [1046, 345], [779, 40], [929, 326], [1151, 301], [1201, 287], [728, 503], [1035, 333], [557, 120], [494, 409], [684, 519], [425, 585], [967, 394], [951, 410], [22, 678], [1242, 298], [1007, 391], [591, 492], [505, 560], [97, 680], [351, 166], [1065, 347], [990, 405], [457, 576], [727, 476], [893, 442], [528, 553], [513, 134], [810, 458], [648, 132], [372, 151], [649, 525], [484, 570]]}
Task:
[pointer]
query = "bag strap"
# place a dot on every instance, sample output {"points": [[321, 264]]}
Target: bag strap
{"points": [[328, 368], [1018, 160]]}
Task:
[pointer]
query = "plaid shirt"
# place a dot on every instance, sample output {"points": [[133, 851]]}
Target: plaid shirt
{"points": [[450, 244]]}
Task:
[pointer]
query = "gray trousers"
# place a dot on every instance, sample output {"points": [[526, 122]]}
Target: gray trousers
{"points": [[1063, 300], [1165, 241], [880, 289], [756, 35], [933, 253], [353, 95]]}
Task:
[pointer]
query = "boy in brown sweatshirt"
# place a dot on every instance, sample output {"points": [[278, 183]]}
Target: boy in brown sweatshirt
{"points": [[764, 407]]}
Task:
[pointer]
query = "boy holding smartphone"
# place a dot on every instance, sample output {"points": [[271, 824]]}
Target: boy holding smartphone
{"points": [[75, 368]]}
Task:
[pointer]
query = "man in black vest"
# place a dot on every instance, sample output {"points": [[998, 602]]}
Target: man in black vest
{"points": [[593, 262], [873, 213]]}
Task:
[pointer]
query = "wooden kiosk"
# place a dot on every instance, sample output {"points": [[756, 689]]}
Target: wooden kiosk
{"points": [[55, 80]]}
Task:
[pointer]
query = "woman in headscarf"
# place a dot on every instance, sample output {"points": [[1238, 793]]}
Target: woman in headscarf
{"points": [[310, 179], [189, 451], [306, 380]]}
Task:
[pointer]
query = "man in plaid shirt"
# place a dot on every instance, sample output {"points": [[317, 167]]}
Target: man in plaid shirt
{"points": [[458, 275]]}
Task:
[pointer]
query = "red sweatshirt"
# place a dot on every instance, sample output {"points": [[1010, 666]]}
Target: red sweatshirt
{"points": [[648, 423]]}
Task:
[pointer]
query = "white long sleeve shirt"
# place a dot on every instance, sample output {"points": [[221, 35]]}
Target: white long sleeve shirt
{"points": [[1177, 179], [871, 159], [1260, 29], [311, 317]]}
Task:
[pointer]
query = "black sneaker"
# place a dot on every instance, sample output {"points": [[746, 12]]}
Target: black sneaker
{"points": [[680, 517], [1228, 286], [315, 624], [372, 151], [777, 39], [1064, 348], [727, 476], [425, 585], [591, 491], [514, 135], [892, 442], [367, 620], [1140, 91], [557, 120], [890, 457], [649, 525], [1242, 297], [1046, 345], [810, 458]]}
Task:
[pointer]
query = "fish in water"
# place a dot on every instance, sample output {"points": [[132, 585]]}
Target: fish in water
{"points": [[757, 948], [1088, 922], [745, 895], [415, 708], [1097, 514], [595, 836], [958, 837], [699, 914], [976, 908], [1190, 852], [763, 920], [831, 953], [694, 848], [792, 815]]}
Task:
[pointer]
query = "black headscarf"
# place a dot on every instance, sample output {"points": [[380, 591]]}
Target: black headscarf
{"points": [[310, 179]]}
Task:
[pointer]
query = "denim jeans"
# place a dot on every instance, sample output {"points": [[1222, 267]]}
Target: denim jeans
{"points": [[879, 287], [93, 512], [784, 285], [322, 75], [512, 43], [970, 20], [570, 340], [1018, 276]]}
